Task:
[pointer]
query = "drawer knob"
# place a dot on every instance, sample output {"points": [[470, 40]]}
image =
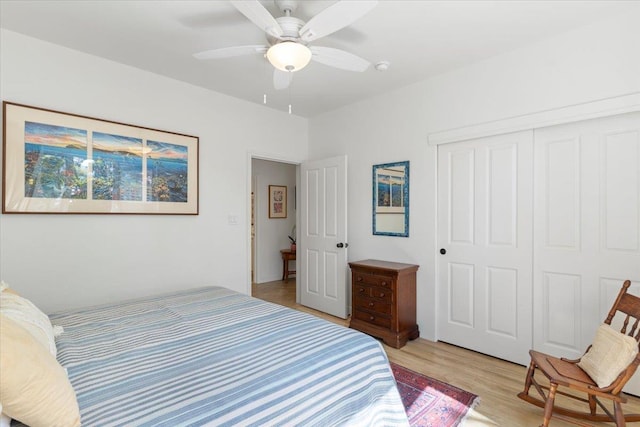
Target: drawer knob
{"points": [[370, 304], [381, 294], [361, 290], [371, 318], [359, 278], [384, 283]]}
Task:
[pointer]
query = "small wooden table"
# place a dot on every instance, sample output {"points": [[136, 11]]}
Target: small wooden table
{"points": [[287, 255]]}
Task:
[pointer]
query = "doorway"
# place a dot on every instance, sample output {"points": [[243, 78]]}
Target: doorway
{"points": [[272, 231]]}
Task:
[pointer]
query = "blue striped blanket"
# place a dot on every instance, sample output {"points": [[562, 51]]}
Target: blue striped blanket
{"points": [[210, 356]]}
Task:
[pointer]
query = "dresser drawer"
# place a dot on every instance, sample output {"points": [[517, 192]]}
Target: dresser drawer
{"points": [[382, 293], [373, 292], [371, 279], [361, 291], [373, 318], [373, 305]]}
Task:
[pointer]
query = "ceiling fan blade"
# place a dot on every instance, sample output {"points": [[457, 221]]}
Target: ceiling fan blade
{"points": [[260, 16], [281, 79], [338, 58], [334, 18], [228, 52]]}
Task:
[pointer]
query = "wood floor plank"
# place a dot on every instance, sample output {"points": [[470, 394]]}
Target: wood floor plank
{"points": [[496, 381]]}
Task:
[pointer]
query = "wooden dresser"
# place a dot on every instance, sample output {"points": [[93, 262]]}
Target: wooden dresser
{"points": [[384, 300]]}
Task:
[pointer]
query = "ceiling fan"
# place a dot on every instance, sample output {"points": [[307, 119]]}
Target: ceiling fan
{"points": [[288, 38]]}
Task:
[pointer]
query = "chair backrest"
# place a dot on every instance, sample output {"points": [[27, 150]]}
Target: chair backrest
{"points": [[629, 306]]}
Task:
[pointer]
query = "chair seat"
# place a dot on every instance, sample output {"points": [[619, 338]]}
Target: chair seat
{"points": [[561, 371]]}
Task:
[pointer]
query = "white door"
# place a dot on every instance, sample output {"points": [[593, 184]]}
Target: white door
{"points": [[485, 235], [587, 228], [322, 254]]}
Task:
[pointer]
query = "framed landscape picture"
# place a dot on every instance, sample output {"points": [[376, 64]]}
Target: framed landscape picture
{"points": [[277, 201], [56, 162]]}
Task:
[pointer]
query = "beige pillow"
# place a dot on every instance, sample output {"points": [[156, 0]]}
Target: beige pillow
{"points": [[610, 353], [34, 388], [30, 317], [4, 287]]}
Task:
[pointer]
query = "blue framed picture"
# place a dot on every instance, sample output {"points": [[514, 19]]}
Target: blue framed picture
{"points": [[391, 199]]}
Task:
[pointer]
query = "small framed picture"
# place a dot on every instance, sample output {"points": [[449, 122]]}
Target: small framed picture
{"points": [[277, 201]]}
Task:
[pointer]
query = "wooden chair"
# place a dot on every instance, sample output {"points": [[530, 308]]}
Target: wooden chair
{"points": [[561, 372]]}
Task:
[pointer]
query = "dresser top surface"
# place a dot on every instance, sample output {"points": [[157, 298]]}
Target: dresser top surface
{"points": [[383, 265]]}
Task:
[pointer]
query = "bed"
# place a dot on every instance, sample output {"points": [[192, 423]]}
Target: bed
{"points": [[211, 356]]}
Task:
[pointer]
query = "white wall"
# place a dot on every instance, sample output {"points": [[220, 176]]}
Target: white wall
{"points": [[271, 233], [588, 64], [67, 260], [64, 261]]}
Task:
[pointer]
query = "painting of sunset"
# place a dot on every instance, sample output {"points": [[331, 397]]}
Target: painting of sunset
{"points": [[54, 161], [117, 167], [167, 169]]}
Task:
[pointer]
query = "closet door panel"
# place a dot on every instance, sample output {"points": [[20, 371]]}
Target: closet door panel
{"points": [[561, 311], [586, 227], [485, 230], [620, 195], [562, 194]]}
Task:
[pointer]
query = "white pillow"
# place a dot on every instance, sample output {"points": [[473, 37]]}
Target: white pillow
{"points": [[610, 353], [24, 312]]}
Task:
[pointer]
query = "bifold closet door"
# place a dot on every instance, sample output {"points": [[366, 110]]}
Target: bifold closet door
{"points": [[485, 221], [587, 227]]}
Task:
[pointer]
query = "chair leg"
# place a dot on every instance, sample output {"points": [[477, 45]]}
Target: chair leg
{"points": [[529, 377], [548, 407], [617, 410], [592, 404]]}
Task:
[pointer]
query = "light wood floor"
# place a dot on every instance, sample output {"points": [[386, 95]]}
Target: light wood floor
{"points": [[496, 382]]}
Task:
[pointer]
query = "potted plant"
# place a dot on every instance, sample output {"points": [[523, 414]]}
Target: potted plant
{"points": [[292, 238]]}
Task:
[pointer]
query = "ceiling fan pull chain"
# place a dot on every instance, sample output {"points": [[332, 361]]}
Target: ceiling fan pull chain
{"points": [[264, 99]]}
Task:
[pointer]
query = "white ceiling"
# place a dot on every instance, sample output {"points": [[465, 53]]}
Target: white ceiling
{"points": [[419, 38]]}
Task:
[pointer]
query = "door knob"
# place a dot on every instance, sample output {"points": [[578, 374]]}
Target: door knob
{"points": [[342, 245], [443, 251]]}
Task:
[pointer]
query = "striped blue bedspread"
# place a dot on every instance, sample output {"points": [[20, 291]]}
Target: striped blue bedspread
{"points": [[211, 356]]}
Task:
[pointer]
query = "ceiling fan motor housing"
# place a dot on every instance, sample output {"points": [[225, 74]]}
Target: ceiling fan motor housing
{"points": [[290, 30]]}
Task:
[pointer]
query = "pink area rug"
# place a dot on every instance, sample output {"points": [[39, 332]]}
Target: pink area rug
{"points": [[430, 402]]}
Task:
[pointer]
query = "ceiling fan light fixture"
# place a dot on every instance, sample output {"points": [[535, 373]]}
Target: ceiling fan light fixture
{"points": [[289, 56]]}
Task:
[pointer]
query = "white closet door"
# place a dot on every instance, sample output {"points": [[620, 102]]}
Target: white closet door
{"points": [[587, 228], [485, 226]]}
